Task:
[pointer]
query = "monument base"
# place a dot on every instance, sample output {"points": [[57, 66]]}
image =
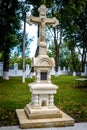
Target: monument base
{"points": [[26, 122], [42, 112]]}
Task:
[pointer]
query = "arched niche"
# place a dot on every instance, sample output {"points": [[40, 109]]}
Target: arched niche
{"points": [[44, 103]]}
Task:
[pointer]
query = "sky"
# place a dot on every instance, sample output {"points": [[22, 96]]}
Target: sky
{"points": [[32, 32]]}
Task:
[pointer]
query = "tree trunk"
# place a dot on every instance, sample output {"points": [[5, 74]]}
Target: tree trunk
{"points": [[83, 59], [72, 58], [56, 56], [56, 53], [6, 64]]}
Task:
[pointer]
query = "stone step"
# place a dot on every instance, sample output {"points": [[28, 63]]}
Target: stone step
{"points": [[25, 122]]}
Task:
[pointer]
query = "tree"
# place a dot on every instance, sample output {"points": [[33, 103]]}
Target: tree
{"points": [[73, 18], [11, 14], [1, 56], [19, 47], [56, 31], [82, 37], [67, 58], [37, 4], [17, 59], [75, 31], [9, 26]]}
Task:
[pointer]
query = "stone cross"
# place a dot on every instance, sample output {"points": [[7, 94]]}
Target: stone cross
{"points": [[42, 21]]}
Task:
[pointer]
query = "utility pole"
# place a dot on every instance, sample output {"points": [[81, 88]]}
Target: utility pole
{"points": [[23, 53]]}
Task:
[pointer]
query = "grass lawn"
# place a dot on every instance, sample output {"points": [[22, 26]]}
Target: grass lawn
{"points": [[14, 95]]}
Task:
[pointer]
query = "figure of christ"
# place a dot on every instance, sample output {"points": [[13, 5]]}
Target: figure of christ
{"points": [[42, 21]]}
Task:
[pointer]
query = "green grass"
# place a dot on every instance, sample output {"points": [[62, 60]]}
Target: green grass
{"points": [[71, 99], [15, 95]]}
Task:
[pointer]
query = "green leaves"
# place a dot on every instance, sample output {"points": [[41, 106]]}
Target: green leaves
{"points": [[12, 38]]}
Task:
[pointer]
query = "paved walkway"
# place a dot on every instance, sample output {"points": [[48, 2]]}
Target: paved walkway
{"points": [[78, 126]]}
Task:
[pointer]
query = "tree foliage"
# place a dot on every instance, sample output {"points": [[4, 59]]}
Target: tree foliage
{"points": [[72, 15], [75, 26], [37, 4], [11, 14], [16, 59], [9, 23], [9, 26], [69, 59]]}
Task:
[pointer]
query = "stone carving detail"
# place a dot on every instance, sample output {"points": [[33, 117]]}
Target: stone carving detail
{"points": [[42, 21]]}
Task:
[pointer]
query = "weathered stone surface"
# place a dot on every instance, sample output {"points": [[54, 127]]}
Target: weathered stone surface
{"points": [[42, 21], [25, 122], [42, 112]]}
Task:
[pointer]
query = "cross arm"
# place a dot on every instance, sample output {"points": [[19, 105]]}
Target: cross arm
{"points": [[32, 19], [52, 21]]}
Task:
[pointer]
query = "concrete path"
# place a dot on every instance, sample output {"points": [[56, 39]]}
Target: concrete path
{"points": [[78, 126]]}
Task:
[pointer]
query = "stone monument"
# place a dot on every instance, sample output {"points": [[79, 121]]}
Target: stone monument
{"points": [[41, 111]]}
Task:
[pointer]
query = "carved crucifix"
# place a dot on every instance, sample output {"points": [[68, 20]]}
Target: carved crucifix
{"points": [[42, 21]]}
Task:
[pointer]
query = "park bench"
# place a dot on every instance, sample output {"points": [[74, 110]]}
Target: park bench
{"points": [[81, 82]]}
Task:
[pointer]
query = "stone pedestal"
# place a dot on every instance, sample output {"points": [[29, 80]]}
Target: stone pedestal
{"points": [[42, 112], [43, 121]]}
